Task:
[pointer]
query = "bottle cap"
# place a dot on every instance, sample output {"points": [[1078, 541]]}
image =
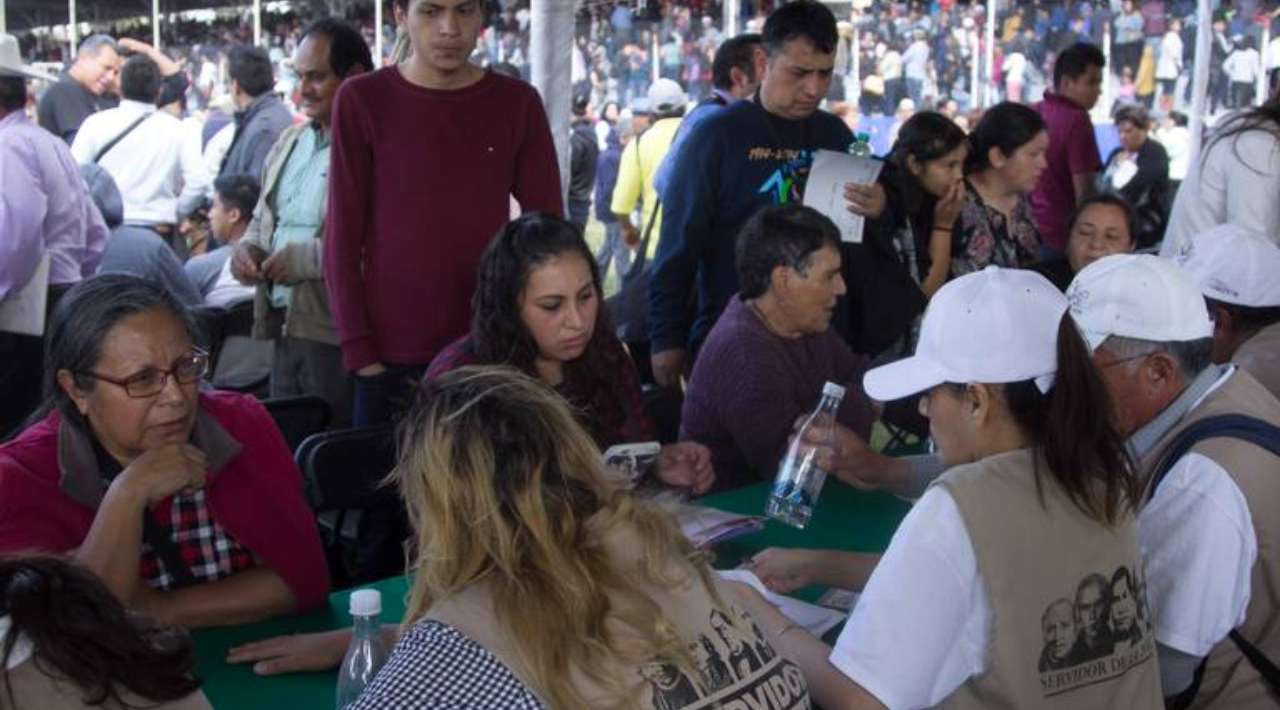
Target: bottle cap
{"points": [[366, 602], [831, 389], [863, 137]]}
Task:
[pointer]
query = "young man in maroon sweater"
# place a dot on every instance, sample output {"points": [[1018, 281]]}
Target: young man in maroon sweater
{"points": [[424, 159]]}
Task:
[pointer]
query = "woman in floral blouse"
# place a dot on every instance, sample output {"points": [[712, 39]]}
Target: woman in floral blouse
{"points": [[1006, 156]]}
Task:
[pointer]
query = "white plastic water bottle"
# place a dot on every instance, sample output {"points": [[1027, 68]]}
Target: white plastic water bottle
{"points": [[861, 146], [367, 651], [800, 478]]}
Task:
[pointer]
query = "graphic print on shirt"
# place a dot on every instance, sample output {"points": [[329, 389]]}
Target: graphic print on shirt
{"points": [[736, 670], [1097, 634], [786, 184]]}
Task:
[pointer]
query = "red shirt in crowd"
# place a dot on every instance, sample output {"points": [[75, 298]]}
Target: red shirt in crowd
{"points": [[420, 180], [1073, 150]]}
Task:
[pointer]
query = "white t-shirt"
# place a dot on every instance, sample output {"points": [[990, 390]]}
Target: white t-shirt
{"points": [[919, 631], [1169, 65], [227, 289], [1236, 180]]}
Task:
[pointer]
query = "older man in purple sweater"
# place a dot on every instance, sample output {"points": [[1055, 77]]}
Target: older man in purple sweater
{"points": [[765, 361]]}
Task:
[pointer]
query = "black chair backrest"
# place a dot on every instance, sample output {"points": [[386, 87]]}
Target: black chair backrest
{"points": [[299, 417], [343, 469], [219, 323]]}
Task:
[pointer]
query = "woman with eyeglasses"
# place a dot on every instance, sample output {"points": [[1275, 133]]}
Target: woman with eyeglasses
{"points": [[186, 503]]}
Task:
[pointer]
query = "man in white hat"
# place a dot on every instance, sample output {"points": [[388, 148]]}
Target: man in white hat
{"points": [[1238, 271], [45, 209], [1209, 529]]}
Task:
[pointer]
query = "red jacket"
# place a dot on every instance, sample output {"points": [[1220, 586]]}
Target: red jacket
{"points": [[254, 492]]}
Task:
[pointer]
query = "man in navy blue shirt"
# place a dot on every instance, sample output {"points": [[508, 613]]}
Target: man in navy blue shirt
{"points": [[745, 156]]}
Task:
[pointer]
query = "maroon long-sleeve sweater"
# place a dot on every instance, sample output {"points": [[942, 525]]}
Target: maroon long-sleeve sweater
{"points": [[419, 182]]}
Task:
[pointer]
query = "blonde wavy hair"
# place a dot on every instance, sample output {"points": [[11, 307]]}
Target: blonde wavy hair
{"points": [[500, 482]]}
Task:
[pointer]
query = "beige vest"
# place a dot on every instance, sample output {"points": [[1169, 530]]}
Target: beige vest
{"points": [[1229, 681], [1260, 356], [737, 666], [1069, 623]]}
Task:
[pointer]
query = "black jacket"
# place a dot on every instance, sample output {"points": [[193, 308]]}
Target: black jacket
{"points": [[583, 153]]}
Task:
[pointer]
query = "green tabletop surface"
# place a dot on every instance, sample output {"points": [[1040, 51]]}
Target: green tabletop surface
{"points": [[845, 519]]}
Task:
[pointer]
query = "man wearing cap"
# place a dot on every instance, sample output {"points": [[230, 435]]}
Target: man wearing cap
{"points": [[1236, 270], [750, 154], [1210, 529], [640, 160], [45, 211]]}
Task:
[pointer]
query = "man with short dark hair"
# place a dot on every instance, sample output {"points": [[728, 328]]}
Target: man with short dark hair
{"points": [[260, 115], [234, 199], [157, 169], [750, 154], [584, 151], [773, 348], [735, 76], [82, 90], [1073, 155], [44, 210], [282, 252], [1208, 524]]}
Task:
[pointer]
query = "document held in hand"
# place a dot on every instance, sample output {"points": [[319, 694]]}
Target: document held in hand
{"points": [[23, 311], [824, 192]]}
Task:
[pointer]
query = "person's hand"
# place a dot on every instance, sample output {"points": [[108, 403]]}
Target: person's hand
{"points": [[136, 46], [668, 367], [784, 570], [165, 470], [852, 461], [293, 653], [276, 269], [245, 262], [948, 207], [373, 370], [686, 464], [630, 236], [867, 199]]}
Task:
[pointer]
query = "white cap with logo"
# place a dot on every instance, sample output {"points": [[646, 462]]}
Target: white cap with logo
{"points": [[1138, 296], [993, 326], [1233, 264]]}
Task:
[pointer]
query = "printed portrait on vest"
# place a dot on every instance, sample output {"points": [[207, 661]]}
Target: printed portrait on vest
{"points": [[671, 688], [707, 659], [1059, 624], [1093, 599], [1126, 630], [743, 660]]}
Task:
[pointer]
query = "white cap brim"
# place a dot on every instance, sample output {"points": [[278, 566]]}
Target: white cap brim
{"points": [[902, 378]]}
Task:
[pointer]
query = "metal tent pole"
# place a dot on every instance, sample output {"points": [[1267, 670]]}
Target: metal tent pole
{"points": [[550, 46], [1200, 77]]}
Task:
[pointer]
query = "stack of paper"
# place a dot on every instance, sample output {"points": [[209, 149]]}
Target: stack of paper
{"points": [[707, 526], [824, 191], [816, 619]]}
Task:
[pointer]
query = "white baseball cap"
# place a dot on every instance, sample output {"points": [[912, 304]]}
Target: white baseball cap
{"points": [[1233, 264], [994, 326], [666, 95], [1139, 296]]}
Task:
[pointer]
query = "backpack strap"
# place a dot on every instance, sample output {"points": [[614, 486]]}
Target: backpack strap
{"points": [[1257, 432], [107, 148]]}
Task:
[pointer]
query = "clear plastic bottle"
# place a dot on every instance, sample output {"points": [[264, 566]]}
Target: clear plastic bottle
{"points": [[367, 651], [800, 478], [861, 146]]}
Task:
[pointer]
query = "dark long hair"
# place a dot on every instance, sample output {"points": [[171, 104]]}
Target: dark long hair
{"points": [[926, 136], [1259, 118], [80, 631], [1073, 427], [500, 337], [1006, 126]]}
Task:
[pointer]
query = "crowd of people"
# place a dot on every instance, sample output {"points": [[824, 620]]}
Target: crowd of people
{"points": [[1095, 528]]}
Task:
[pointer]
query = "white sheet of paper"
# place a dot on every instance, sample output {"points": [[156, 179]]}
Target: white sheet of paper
{"points": [[825, 189], [816, 619], [23, 311]]}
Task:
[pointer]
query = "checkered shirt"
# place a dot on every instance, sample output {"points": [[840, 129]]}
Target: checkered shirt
{"points": [[209, 551], [434, 667]]}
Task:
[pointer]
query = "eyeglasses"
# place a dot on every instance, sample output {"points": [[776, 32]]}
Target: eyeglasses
{"points": [[151, 381]]}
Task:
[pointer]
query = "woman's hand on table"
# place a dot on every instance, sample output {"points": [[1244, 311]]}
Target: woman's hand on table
{"points": [[784, 570], [294, 653], [686, 465]]}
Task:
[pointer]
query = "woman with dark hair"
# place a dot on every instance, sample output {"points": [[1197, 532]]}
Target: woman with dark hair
{"points": [[66, 642], [1236, 179], [905, 254], [1102, 225], [1138, 170], [1040, 494], [538, 307], [1007, 154], [186, 503]]}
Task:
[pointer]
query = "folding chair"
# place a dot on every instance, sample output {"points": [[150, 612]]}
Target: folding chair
{"points": [[299, 417]]}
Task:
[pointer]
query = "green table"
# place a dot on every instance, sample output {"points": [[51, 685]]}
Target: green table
{"points": [[845, 519]]}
